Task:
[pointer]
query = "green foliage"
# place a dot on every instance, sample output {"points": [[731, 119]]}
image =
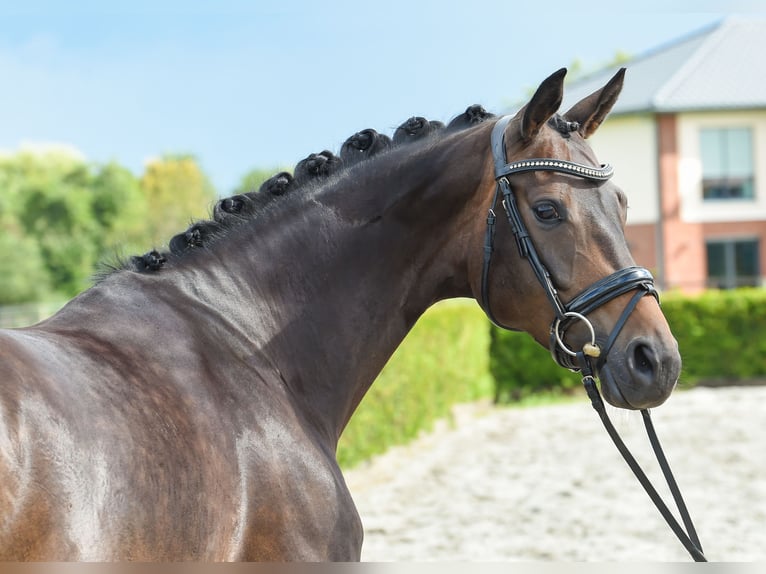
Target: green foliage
{"points": [[23, 275], [61, 216], [443, 361], [522, 368], [253, 179], [720, 336], [176, 192], [120, 207], [46, 213], [447, 357], [720, 333]]}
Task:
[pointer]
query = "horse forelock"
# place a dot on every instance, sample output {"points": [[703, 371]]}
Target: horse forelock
{"points": [[564, 127]]}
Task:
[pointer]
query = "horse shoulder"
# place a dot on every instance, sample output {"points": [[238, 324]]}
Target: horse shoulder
{"points": [[294, 502], [27, 528]]}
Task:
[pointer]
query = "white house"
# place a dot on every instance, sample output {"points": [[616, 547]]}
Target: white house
{"points": [[687, 139]]}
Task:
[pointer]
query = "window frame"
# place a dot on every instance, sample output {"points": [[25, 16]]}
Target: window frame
{"points": [[731, 186], [732, 279]]}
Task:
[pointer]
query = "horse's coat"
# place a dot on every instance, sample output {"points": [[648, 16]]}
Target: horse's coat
{"points": [[191, 411]]}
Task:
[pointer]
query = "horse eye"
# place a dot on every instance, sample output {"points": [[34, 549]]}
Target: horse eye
{"points": [[546, 212]]}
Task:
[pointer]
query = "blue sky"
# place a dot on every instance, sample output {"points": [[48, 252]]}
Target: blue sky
{"points": [[264, 83]]}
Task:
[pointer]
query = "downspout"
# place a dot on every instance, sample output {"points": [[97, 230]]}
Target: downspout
{"points": [[659, 231]]}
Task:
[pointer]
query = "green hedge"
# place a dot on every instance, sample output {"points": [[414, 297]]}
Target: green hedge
{"points": [[444, 360], [454, 355], [721, 336], [521, 367]]}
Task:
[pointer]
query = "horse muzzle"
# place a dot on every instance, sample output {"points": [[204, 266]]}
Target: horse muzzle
{"points": [[634, 375], [643, 376]]}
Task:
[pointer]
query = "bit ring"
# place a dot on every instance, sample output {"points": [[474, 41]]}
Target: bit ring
{"points": [[560, 342]]}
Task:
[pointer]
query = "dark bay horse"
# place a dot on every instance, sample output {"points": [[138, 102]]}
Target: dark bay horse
{"points": [[189, 407]]}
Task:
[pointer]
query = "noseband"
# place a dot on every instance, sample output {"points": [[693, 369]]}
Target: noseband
{"points": [[604, 290]]}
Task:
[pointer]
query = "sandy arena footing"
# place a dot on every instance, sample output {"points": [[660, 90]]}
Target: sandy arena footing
{"points": [[546, 483]]}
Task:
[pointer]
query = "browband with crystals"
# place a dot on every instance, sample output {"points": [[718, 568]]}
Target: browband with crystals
{"points": [[547, 164], [503, 169]]}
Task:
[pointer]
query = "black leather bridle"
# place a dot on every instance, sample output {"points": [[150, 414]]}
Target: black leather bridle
{"points": [[601, 292], [630, 279]]}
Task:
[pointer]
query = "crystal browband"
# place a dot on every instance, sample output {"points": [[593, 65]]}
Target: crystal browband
{"points": [[545, 164]]}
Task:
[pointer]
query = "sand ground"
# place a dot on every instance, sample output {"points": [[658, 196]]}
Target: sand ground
{"points": [[546, 483]]}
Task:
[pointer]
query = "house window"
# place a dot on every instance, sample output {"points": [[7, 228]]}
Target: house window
{"points": [[727, 163], [733, 263]]}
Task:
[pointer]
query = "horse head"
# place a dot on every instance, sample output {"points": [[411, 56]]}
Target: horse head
{"points": [[561, 268]]}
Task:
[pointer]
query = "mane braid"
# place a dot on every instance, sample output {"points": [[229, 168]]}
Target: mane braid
{"points": [[232, 212]]}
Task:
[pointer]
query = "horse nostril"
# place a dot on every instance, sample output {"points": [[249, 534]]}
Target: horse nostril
{"points": [[642, 360], [650, 372]]}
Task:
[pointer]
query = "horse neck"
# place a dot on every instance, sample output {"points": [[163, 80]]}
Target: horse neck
{"points": [[326, 286], [375, 254]]}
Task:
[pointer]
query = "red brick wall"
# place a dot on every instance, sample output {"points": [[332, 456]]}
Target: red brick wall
{"points": [[642, 241], [683, 246]]}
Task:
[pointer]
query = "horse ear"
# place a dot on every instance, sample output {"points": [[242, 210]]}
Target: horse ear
{"points": [[543, 104], [592, 110]]}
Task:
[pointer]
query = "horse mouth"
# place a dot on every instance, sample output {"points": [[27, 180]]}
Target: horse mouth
{"points": [[611, 389]]}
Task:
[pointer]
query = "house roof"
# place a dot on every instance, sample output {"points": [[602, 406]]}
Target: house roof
{"points": [[720, 67]]}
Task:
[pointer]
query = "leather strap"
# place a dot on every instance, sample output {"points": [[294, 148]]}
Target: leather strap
{"points": [[612, 286], [687, 537]]}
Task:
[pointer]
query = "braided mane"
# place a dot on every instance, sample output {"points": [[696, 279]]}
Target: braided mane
{"points": [[233, 211]]}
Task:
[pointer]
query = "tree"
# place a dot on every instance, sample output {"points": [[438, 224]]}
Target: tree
{"points": [[23, 275], [56, 212], [47, 241], [120, 208], [60, 217], [176, 192]]}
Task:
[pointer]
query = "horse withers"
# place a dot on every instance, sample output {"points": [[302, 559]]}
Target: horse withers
{"points": [[190, 409]]}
